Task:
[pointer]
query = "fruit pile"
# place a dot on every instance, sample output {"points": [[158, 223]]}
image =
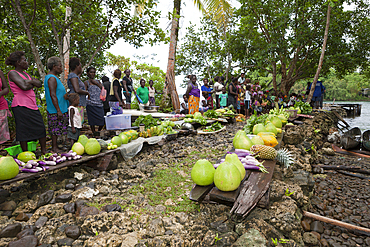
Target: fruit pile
{"points": [[153, 131], [228, 174]]}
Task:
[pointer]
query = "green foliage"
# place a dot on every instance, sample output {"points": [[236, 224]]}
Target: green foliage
{"points": [[202, 52], [287, 193], [217, 238], [346, 88], [89, 23], [282, 34], [147, 120]]}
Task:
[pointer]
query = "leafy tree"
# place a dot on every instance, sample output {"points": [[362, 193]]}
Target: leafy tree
{"points": [[285, 37], [138, 71], [94, 24], [203, 51], [219, 10], [345, 88]]}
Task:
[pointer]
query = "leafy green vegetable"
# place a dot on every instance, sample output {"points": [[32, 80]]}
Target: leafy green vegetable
{"points": [[211, 114], [148, 121], [253, 120], [214, 127], [305, 107]]}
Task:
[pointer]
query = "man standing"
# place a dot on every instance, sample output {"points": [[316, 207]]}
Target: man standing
{"points": [[316, 97]]}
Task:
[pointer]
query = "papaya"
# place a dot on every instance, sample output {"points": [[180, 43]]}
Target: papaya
{"points": [[269, 140]]}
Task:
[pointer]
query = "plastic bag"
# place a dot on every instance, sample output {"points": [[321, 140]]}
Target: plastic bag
{"points": [[103, 94]]}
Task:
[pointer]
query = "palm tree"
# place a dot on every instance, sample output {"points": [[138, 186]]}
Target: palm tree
{"points": [[220, 10]]}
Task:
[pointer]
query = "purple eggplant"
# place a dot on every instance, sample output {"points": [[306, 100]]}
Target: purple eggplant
{"points": [[20, 163], [66, 155], [50, 163], [32, 162], [43, 163], [30, 170], [28, 166]]}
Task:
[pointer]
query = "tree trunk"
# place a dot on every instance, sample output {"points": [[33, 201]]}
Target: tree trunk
{"points": [[322, 55], [35, 52], [274, 77], [66, 48], [170, 75]]}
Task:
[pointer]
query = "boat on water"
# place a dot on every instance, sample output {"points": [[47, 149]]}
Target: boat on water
{"points": [[366, 140], [351, 139]]}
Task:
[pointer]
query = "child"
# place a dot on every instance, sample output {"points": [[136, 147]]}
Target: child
{"points": [[204, 106], [257, 104], [74, 126], [223, 98], [247, 100]]}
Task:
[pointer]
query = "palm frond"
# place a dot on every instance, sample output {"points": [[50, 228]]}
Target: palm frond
{"points": [[219, 10]]}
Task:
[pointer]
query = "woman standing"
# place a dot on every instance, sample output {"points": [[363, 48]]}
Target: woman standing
{"points": [[28, 120], [193, 95], [57, 105], [94, 105], [4, 110], [152, 92], [128, 86], [76, 85], [115, 91], [232, 93]]}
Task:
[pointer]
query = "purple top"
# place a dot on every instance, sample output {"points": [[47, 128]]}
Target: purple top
{"points": [[194, 91]]}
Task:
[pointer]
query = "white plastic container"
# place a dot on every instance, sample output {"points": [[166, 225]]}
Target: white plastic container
{"points": [[116, 122]]}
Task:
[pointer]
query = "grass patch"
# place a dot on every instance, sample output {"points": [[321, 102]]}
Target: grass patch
{"points": [[174, 183]]}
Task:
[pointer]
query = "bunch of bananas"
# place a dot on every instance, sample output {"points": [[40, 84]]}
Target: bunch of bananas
{"points": [[153, 131]]}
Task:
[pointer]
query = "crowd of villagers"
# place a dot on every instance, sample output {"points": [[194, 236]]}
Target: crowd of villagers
{"points": [[245, 96], [65, 108]]}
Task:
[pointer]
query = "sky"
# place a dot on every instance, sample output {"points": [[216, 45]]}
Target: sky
{"points": [[189, 15]]}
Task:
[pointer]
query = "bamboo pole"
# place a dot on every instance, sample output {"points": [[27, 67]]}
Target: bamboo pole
{"points": [[336, 222]]}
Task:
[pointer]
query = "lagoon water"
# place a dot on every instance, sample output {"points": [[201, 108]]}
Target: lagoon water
{"points": [[363, 121]]}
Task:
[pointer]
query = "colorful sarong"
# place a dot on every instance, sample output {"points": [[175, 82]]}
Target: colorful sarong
{"points": [[193, 104], [4, 129], [81, 110]]}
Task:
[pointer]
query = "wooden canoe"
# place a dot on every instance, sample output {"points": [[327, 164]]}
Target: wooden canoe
{"points": [[351, 139], [366, 140]]}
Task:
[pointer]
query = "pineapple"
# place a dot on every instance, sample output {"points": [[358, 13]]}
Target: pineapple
{"points": [[264, 152], [284, 157]]}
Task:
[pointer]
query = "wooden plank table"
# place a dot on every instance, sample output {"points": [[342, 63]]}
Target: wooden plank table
{"points": [[106, 155], [253, 191]]}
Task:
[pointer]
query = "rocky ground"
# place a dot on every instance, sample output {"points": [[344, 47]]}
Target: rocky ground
{"points": [[144, 202]]}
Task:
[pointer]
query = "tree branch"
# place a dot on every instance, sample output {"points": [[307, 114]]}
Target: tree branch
{"points": [[16, 5], [104, 38], [60, 47], [33, 15]]}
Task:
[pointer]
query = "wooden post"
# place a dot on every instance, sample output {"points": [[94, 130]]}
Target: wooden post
{"points": [[336, 222]]}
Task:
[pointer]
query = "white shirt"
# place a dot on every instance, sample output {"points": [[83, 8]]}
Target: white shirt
{"points": [[186, 104], [241, 80], [247, 95], [76, 117], [218, 86]]}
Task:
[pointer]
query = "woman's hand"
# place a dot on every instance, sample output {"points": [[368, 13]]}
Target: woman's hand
{"points": [[59, 115], [127, 94], [88, 96], [73, 130]]}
